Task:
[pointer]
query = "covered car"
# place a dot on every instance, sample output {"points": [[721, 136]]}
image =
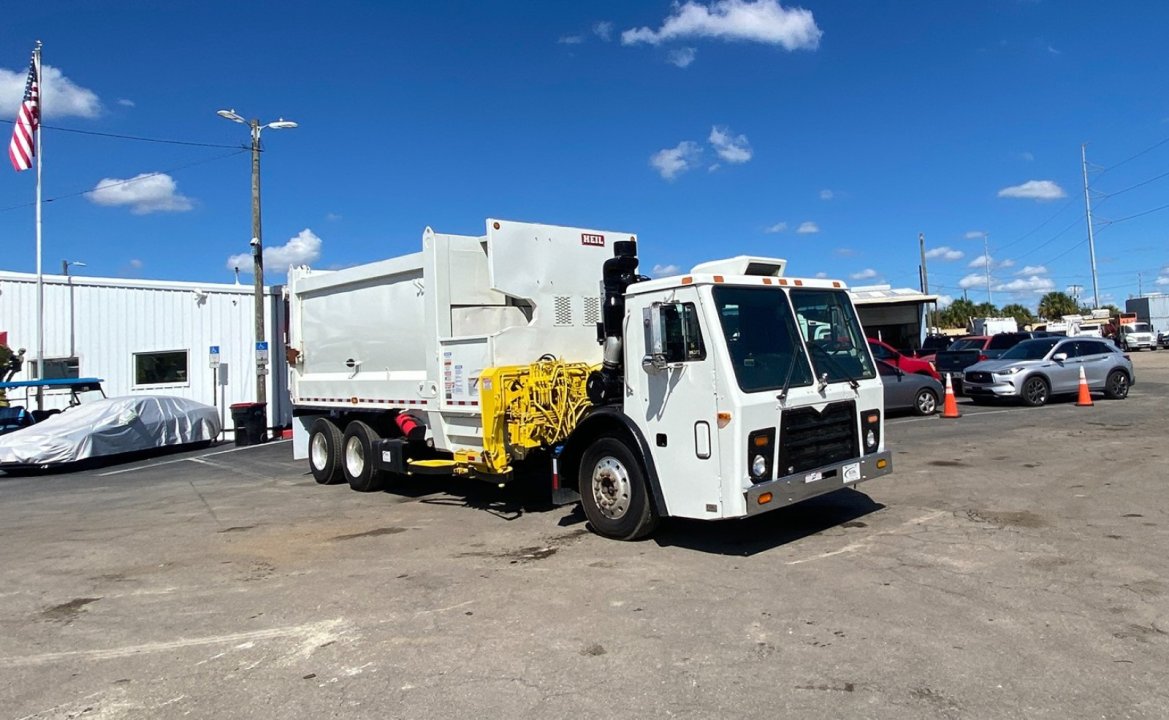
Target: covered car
{"points": [[109, 427]]}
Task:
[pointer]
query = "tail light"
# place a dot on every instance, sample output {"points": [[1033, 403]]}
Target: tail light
{"points": [[982, 357], [871, 430], [761, 455]]}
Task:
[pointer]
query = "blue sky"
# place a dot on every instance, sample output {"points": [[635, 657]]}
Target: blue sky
{"points": [[828, 133]]}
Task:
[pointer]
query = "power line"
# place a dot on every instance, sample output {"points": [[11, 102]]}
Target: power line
{"points": [[1149, 149], [237, 151], [1132, 187], [1037, 228], [1140, 214], [129, 137]]}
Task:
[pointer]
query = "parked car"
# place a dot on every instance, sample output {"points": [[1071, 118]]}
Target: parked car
{"points": [[1035, 370], [1137, 336], [886, 353], [1163, 338], [906, 391], [108, 428], [972, 349]]}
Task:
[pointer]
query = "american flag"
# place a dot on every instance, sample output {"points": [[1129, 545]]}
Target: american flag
{"points": [[22, 148]]}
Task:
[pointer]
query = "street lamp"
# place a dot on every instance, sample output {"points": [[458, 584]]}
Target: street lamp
{"points": [[257, 237], [66, 263]]}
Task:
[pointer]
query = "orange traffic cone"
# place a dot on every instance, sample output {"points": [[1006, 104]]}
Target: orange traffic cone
{"points": [[1085, 399], [950, 407]]}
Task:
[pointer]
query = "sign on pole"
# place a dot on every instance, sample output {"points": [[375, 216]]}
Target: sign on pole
{"points": [[214, 357]]}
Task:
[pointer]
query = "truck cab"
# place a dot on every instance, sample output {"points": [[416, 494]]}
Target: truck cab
{"points": [[763, 382]]}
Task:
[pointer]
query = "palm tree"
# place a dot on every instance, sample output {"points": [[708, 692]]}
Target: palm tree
{"points": [[958, 314], [1055, 305], [1022, 315]]}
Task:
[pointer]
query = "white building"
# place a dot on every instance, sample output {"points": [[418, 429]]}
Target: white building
{"points": [[149, 336]]}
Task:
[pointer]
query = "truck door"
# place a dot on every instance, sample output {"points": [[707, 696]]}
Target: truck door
{"points": [[673, 400]]}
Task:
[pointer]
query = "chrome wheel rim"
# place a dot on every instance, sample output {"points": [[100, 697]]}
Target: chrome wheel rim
{"points": [[926, 403], [354, 457], [611, 488], [319, 451]]}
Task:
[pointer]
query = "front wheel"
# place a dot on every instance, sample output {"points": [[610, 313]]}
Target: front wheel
{"points": [[613, 491], [357, 461], [1116, 386], [1035, 392], [926, 402]]}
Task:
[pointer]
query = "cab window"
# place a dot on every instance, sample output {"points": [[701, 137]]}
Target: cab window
{"points": [[681, 334]]}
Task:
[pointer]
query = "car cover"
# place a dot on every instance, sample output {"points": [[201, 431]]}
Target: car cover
{"points": [[109, 427]]}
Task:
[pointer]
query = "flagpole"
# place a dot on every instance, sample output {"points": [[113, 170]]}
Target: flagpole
{"points": [[40, 275]]}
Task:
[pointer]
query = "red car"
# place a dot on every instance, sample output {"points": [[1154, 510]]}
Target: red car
{"points": [[905, 363]]}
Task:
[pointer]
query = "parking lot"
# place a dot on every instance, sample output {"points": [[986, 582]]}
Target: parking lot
{"points": [[1014, 565]]}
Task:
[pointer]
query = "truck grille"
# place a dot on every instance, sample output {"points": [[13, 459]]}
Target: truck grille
{"points": [[978, 377], [810, 439]]}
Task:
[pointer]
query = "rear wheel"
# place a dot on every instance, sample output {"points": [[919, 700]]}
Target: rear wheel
{"points": [[1035, 392], [324, 451], [1116, 386], [613, 491], [926, 402], [357, 458]]}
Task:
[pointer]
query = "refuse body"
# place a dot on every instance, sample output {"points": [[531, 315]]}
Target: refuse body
{"points": [[250, 420]]}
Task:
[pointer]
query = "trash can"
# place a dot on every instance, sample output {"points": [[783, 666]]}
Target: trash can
{"points": [[250, 420]]}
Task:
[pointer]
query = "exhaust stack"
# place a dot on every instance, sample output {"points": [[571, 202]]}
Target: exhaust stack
{"points": [[619, 272]]}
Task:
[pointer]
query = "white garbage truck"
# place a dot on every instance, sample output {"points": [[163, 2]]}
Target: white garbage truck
{"points": [[722, 393]]}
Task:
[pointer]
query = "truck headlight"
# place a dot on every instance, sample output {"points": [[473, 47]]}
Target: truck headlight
{"points": [[761, 450], [870, 439], [758, 466], [871, 429]]}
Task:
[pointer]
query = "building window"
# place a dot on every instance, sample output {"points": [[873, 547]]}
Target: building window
{"points": [[56, 369], [160, 368]]}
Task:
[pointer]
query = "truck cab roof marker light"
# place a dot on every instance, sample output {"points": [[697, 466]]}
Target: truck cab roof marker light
{"points": [[687, 280], [718, 278], [766, 281]]}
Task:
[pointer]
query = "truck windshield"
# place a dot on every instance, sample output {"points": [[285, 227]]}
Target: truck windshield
{"points": [[761, 337], [833, 334]]}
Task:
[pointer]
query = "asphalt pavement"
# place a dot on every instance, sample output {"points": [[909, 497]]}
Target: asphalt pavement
{"points": [[1013, 566]]}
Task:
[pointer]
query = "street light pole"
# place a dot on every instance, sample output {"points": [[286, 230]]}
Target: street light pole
{"points": [[72, 322], [257, 243]]}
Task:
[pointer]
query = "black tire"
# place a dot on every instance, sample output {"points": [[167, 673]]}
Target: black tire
{"points": [[356, 458], [1116, 386], [613, 491], [324, 451], [1035, 392], [925, 402]]}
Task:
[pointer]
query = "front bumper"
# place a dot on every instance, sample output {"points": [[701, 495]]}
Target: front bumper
{"points": [[806, 485]]}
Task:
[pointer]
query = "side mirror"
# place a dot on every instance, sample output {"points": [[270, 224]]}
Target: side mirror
{"points": [[655, 357], [1059, 357]]}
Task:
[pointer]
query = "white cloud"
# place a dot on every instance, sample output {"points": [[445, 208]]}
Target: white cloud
{"points": [[866, 274], [974, 235], [682, 57], [945, 301], [972, 280], [1026, 156], [664, 270], [827, 194], [1007, 263], [730, 147], [125, 103], [844, 252], [776, 228], [981, 262], [822, 275], [332, 216], [1023, 285], [762, 21], [570, 40], [136, 263], [808, 228], [302, 249], [604, 30], [944, 253], [1033, 270], [1163, 279], [145, 193], [1034, 190], [62, 97], [671, 162]]}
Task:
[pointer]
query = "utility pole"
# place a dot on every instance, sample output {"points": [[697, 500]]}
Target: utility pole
{"points": [[257, 255], [925, 278], [1091, 237], [1140, 287]]}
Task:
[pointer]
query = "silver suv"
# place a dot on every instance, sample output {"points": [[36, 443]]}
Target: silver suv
{"points": [[1034, 370]]}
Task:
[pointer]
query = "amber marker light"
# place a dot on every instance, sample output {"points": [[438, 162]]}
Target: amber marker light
{"points": [[765, 498], [882, 463], [724, 419]]}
